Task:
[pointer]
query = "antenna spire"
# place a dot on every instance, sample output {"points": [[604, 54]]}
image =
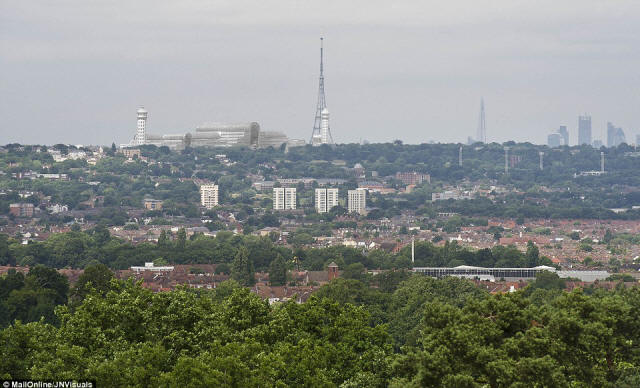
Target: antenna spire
{"points": [[321, 58], [321, 133], [482, 125]]}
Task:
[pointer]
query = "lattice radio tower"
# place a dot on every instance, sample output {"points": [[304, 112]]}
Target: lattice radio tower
{"points": [[321, 133], [482, 125]]}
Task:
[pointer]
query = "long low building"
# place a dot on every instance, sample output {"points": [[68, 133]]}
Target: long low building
{"points": [[148, 266], [246, 134], [491, 274]]}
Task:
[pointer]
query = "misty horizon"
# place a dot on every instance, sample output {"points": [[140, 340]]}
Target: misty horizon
{"points": [[76, 72]]}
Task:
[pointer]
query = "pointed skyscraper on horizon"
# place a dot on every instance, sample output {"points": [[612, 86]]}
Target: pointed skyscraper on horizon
{"points": [[321, 132]]}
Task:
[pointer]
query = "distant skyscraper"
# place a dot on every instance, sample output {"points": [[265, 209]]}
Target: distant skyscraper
{"points": [[284, 198], [615, 136], [565, 134], [584, 130], [637, 140], [561, 137], [209, 196], [326, 199], [357, 200], [482, 125], [321, 133], [141, 135], [554, 140]]}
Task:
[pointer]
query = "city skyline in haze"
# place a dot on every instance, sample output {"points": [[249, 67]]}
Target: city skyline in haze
{"points": [[75, 72]]}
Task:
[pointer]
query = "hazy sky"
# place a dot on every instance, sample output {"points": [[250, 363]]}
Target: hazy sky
{"points": [[75, 71]]}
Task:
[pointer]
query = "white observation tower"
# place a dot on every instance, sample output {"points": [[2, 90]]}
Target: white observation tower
{"points": [[141, 135]]}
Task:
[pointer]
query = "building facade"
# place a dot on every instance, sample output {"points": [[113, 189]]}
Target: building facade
{"points": [[584, 130], [153, 204], [565, 134], [554, 140], [271, 139], [141, 134], [615, 136], [413, 178], [284, 198], [131, 153], [247, 134], [357, 201], [326, 199], [449, 194], [209, 196], [21, 209], [559, 138]]}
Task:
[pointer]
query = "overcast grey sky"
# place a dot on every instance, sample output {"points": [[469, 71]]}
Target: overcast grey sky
{"points": [[75, 71]]}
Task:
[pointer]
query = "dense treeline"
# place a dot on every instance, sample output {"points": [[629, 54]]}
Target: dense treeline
{"points": [[35, 295], [406, 332], [32, 297], [77, 249], [551, 206], [126, 183]]}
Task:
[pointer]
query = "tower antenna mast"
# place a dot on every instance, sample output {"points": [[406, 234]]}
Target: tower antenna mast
{"points": [[482, 125], [321, 133]]}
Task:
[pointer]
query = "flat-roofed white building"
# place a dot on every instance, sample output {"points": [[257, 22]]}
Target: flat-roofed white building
{"points": [[326, 199], [284, 198], [509, 274], [357, 200], [148, 266], [209, 196]]}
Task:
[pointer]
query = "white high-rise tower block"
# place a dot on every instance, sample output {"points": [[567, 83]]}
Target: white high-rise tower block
{"points": [[326, 199], [141, 135], [209, 196], [357, 200], [284, 198]]}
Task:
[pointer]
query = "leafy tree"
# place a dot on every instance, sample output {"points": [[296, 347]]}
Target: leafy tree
{"points": [[532, 255], [242, 268], [302, 239], [160, 261], [100, 235], [163, 240], [5, 257], [96, 276], [223, 268], [181, 239], [278, 271], [354, 271], [41, 277], [608, 236], [547, 280], [32, 297], [408, 302]]}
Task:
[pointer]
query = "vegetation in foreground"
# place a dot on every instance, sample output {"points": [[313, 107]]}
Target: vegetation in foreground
{"points": [[406, 331]]}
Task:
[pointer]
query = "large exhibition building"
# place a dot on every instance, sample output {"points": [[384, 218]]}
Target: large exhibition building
{"points": [[213, 135]]}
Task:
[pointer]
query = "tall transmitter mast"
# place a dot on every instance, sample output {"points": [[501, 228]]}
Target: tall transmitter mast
{"points": [[482, 124], [321, 132]]}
